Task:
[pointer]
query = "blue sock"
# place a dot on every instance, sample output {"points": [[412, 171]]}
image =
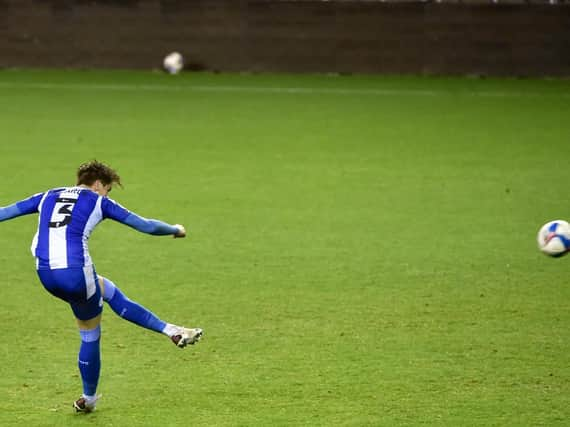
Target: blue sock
{"points": [[90, 359], [130, 310]]}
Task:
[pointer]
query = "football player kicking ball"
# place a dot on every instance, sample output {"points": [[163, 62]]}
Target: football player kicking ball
{"points": [[67, 216]]}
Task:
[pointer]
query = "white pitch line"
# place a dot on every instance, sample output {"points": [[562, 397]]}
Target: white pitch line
{"points": [[270, 90], [222, 88]]}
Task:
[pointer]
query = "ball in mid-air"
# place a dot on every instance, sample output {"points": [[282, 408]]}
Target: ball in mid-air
{"points": [[173, 63], [554, 238]]}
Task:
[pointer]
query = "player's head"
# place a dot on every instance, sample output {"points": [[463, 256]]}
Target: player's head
{"points": [[97, 174]]}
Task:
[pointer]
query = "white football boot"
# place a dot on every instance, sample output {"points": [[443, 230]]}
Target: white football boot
{"points": [[187, 336]]}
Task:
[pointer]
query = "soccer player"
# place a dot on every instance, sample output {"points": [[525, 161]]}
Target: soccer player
{"points": [[67, 216]]}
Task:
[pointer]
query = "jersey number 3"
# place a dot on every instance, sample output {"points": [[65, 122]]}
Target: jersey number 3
{"points": [[61, 215]]}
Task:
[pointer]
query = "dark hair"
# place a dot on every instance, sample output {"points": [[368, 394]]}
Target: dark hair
{"points": [[89, 172]]}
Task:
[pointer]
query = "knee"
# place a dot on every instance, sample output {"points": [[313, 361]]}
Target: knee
{"points": [[108, 288]]}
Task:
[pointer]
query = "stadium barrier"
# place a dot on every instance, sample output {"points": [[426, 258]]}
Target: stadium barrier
{"points": [[509, 37]]}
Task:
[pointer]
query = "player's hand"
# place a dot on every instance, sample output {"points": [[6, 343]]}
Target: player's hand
{"points": [[181, 231]]}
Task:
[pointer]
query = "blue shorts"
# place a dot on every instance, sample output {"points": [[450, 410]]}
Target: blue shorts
{"points": [[77, 286]]}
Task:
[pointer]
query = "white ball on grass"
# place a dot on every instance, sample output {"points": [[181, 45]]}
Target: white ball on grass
{"points": [[173, 63], [554, 238]]}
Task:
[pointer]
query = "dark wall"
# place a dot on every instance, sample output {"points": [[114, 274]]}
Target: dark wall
{"points": [[313, 36]]}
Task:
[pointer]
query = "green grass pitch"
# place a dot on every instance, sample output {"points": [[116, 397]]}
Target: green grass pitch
{"points": [[361, 249]]}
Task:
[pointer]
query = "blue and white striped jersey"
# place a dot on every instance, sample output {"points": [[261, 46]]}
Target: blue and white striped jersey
{"points": [[67, 216]]}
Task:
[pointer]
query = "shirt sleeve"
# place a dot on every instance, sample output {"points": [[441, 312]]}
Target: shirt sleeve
{"points": [[149, 226], [115, 211], [23, 207]]}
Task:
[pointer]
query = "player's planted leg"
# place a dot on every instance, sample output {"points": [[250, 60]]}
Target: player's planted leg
{"points": [[141, 316], [89, 367]]}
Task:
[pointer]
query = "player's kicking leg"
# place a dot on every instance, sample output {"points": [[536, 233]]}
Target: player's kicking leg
{"points": [[141, 316]]}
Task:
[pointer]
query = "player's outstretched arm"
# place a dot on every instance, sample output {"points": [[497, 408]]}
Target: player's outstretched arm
{"points": [[113, 210], [23, 207], [9, 212], [154, 226]]}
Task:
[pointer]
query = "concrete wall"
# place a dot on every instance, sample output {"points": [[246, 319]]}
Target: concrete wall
{"points": [[307, 36]]}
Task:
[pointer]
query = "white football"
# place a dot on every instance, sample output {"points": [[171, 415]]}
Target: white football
{"points": [[554, 238], [173, 63]]}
